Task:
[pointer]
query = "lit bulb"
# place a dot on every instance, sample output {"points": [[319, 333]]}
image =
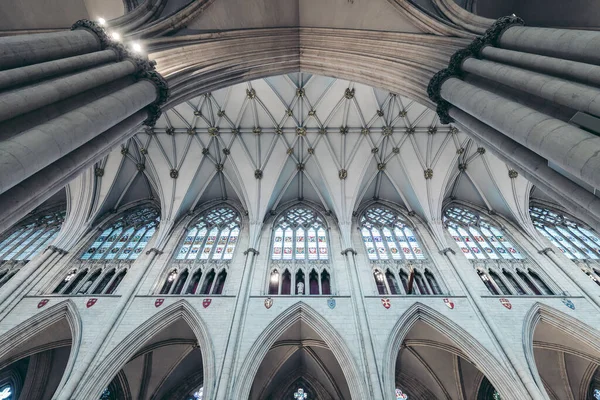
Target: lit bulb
{"points": [[136, 47], [101, 21], [275, 278], [116, 36]]}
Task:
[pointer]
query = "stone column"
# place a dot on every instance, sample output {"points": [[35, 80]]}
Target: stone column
{"points": [[373, 375], [554, 68], [225, 372], [57, 120]]}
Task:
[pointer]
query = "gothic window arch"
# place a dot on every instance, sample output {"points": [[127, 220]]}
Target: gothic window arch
{"points": [[299, 254], [501, 266], [399, 263], [104, 264], [26, 239], [200, 265]]}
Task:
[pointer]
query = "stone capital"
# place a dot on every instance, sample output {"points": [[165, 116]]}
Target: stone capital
{"points": [[349, 250], [447, 250], [251, 250], [155, 251]]}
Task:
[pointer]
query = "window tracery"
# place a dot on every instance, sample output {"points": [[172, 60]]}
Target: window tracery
{"points": [[105, 263], [502, 268], [201, 263], [27, 239], [395, 254], [576, 241], [299, 254]]}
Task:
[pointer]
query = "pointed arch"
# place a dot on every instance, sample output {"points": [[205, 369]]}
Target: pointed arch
{"points": [[472, 349], [299, 312], [557, 319], [127, 348], [37, 324]]}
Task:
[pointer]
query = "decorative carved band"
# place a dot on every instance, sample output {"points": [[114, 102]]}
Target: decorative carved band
{"points": [[546, 251], [57, 250], [145, 69], [349, 250], [490, 38], [155, 251], [446, 251]]}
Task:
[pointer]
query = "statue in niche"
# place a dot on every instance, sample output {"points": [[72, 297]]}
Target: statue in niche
{"points": [[300, 287]]}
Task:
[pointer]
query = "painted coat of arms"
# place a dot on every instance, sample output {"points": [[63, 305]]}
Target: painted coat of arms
{"points": [[569, 303], [42, 303], [91, 302], [268, 303], [386, 303], [158, 302], [206, 302], [331, 303], [506, 303], [449, 303]]}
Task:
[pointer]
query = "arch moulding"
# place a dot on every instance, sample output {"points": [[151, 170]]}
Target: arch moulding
{"points": [[119, 356], [298, 312], [475, 352]]}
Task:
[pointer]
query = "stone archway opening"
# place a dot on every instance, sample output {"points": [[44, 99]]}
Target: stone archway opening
{"points": [[430, 365], [34, 368], [568, 367], [300, 361], [168, 365]]}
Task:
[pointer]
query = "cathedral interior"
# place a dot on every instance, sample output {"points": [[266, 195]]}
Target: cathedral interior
{"points": [[299, 200]]}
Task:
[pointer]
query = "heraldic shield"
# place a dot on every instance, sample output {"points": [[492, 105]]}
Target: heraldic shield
{"points": [[158, 302], [449, 303], [42, 303], [268, 303], [386, 303], [206, 302], [331, 303], [506, 303], [569, 303], [91, 302]]}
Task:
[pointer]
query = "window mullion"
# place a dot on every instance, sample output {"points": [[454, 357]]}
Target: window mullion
{"points": [[34, 238], [385, 243], [581, 240], [17, 242]]}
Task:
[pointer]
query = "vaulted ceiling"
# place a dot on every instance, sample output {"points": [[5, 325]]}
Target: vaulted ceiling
{"points": [[336, 143]]}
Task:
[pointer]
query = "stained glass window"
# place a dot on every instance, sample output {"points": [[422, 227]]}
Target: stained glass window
{"points": [[386, 236], [31, 235], [574, 240], [213, 236], [126, 238], [400, 395], [196, 395], [597, 394], [300, 234], [477, 238], [6, 392]]}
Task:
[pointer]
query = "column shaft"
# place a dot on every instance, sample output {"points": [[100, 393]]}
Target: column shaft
{"points": [[18, 51], [534, 168], [573, 149], [29, 152], [566, 69], [574, 95], [18, 201], [21, 101], [31, 73], [575, 45]]}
